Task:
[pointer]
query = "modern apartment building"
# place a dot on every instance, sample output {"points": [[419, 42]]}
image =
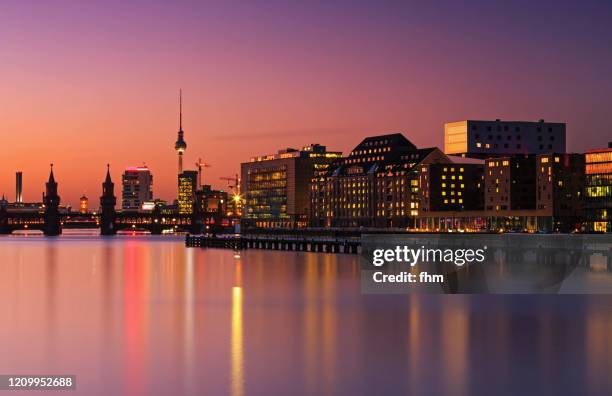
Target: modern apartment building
{"points": [[486, 139]]}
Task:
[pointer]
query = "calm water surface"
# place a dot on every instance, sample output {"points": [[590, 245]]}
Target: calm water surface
{"points": [[146, 316]]}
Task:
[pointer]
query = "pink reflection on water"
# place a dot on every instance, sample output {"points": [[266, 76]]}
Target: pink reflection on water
{"points": [[135, 277]]}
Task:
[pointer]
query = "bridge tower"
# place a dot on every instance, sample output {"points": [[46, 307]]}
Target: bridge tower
{"points": [[51, 200], [107, 205], [3, 218]]}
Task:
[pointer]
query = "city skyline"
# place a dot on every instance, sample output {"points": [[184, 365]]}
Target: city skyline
{"points": [[96, 84]]}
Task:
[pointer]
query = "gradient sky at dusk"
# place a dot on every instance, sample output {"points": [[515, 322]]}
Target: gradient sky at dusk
{"points": [[85, 83]]}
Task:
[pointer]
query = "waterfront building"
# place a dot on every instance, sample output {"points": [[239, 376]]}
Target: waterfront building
{"points": [[137, 183], [559, 183], [486, 139], [374, 186], [597, 203], [83, 204], [187, 186], [276, 188], [521, 193], [19, 187], [510, 183], [456, 186]]}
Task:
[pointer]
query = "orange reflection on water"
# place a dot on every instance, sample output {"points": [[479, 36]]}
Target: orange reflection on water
{"points": [[455, 338]]}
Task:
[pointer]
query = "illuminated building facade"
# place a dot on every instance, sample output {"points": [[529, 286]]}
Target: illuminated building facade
{"points": [[276, 188], [598, 190], [137, 183], [374, 186], [486, 139], [187, 186], [451, 186]]}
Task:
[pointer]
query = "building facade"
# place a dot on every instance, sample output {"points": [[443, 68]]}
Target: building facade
{"points": [[137, 187], [510, 183], [559, 184], [486, 139], [597, 203], [276, 187], [451, 187], [376, 185], [187, 187]]}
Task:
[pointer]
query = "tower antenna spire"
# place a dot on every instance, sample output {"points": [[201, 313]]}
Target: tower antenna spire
{"points": [[180, 109]]}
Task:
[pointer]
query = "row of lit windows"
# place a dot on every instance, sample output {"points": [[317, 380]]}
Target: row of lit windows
{"points": [[605, 167], [371, 151], [598, 157], [493, 164], [367, 159], [453, 185], [452, 192], [599, 192]]}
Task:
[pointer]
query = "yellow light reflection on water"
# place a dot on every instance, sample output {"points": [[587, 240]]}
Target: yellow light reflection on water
{"points": [[237, 352]]}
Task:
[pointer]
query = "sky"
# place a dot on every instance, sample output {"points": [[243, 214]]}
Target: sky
{"points": [[84, 84]]}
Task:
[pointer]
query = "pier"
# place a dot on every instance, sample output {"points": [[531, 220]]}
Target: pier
{"points": [[286, 243]]}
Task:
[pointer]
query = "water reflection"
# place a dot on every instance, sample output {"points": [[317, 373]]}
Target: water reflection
{"points": [[145, 316], [237, 358]]}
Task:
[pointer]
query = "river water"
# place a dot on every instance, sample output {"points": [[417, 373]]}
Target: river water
{"points": [[144, 315]]}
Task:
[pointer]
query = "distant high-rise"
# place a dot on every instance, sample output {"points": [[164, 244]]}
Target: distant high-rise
{"points": [[187, 186], [180, 146], [19, 187], [486, 139], [137, 187]]}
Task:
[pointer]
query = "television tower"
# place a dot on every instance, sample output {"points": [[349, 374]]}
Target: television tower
{"points": [[180, 146]]}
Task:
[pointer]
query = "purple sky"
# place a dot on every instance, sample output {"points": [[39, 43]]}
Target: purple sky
{"points": [[86, 84]]}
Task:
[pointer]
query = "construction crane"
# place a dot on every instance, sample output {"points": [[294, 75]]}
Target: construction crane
{"points": [[200, 164], [236, 184]]}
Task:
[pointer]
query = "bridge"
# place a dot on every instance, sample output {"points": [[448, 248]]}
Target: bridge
{"points": [[51, 220]]}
